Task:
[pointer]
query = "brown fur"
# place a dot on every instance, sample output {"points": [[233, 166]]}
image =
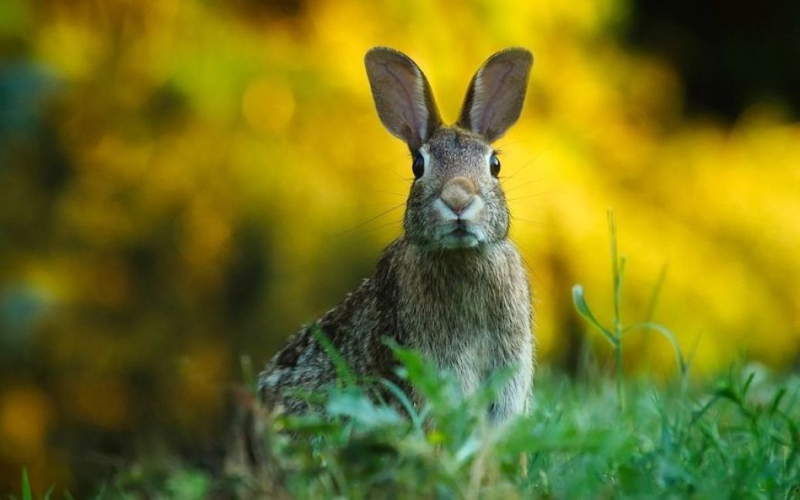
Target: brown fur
{"points": [[453, 287]]}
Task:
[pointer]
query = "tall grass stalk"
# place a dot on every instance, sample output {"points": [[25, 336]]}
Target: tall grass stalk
{"points": [[617, 331]]}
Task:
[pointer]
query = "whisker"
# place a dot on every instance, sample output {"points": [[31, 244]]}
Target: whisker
{"points": [[523, 167], [389, 166], [379, 204], [401, 177], [387, 192], [538, 208], [504, 145], [535, 194], [538, 155], [524, 184], [397, 224], [371, 220], [527, 264], [535, 222]]}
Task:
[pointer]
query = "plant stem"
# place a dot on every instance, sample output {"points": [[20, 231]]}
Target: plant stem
{"points": [[617, 269], [620, 391]]}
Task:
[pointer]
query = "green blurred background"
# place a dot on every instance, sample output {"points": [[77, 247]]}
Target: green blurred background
{"points": [[185, 182]]}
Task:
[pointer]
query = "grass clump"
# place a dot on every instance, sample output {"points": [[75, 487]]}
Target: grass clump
{"points": [[735, 437]]}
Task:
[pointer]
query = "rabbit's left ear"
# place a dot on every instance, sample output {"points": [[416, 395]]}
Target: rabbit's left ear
{"points": [[402, 96], [496, 93]]}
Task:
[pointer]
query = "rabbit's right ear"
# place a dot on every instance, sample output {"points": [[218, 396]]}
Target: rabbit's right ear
{"points": [[402, 96], [496, 93]]}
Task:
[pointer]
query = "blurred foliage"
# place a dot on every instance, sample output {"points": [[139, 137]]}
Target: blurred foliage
{"points": [[184, 182]]}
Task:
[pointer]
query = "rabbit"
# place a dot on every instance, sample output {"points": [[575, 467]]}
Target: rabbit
{"points": [[453, 286]]}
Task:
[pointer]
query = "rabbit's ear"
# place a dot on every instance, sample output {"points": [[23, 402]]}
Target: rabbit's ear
{"points": [[402, 96], [496, 93]]}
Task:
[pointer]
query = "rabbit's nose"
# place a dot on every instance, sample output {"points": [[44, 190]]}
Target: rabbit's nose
{"points": [[458, 193]]}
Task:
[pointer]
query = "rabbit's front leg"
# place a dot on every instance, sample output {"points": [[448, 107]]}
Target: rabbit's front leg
{"points": [[513, 398]]}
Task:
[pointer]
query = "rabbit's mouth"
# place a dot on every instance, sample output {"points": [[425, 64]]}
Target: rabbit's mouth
{"points": [[461, 235]]}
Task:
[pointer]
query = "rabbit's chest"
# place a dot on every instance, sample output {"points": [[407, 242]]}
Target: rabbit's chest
{"points": [[469, 312], [469, 327], [467, 354]]}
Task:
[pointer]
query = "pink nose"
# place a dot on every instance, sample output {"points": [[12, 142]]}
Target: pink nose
{"points": [[458, 193]]}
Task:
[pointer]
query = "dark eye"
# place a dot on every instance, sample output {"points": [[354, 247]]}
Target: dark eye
{"points": [[494, 165], [418, 166]]}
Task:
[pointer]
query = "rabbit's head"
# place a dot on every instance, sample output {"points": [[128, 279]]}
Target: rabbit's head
{"points": [[456, 200]]}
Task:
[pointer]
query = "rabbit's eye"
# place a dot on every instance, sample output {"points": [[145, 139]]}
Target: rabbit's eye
{"points": [[494, 165], [418, 166]]}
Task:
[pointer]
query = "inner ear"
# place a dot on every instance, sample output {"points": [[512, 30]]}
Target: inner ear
{"points": [[496, 94], [402, 96]]}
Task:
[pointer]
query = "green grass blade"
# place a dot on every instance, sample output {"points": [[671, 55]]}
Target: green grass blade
{"points": [[747, 383], [583, 309], [667, 334], [776, 400], [617, 270], [27, 493], [618, 297], [655, 296], [343, 370], [408, 406], [423, 376], [49, 492]]}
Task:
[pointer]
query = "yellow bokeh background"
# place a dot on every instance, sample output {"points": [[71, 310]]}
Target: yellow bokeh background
{"points": [[196, 179]]}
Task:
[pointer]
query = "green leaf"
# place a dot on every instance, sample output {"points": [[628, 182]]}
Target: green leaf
{"points": [[583, 309], [421, 375], [776, 400], [667, 334], [27, 493], [402, 397], [357, 406], [656, 293], [468, 450], [189, 484], [343, 370], [747, 383]]}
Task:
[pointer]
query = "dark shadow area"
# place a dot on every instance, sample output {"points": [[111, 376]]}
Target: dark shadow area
{"points": [[729, 54]]}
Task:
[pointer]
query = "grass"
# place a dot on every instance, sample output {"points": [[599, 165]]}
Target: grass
{"points": [[735, 436], [616, 332]]}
